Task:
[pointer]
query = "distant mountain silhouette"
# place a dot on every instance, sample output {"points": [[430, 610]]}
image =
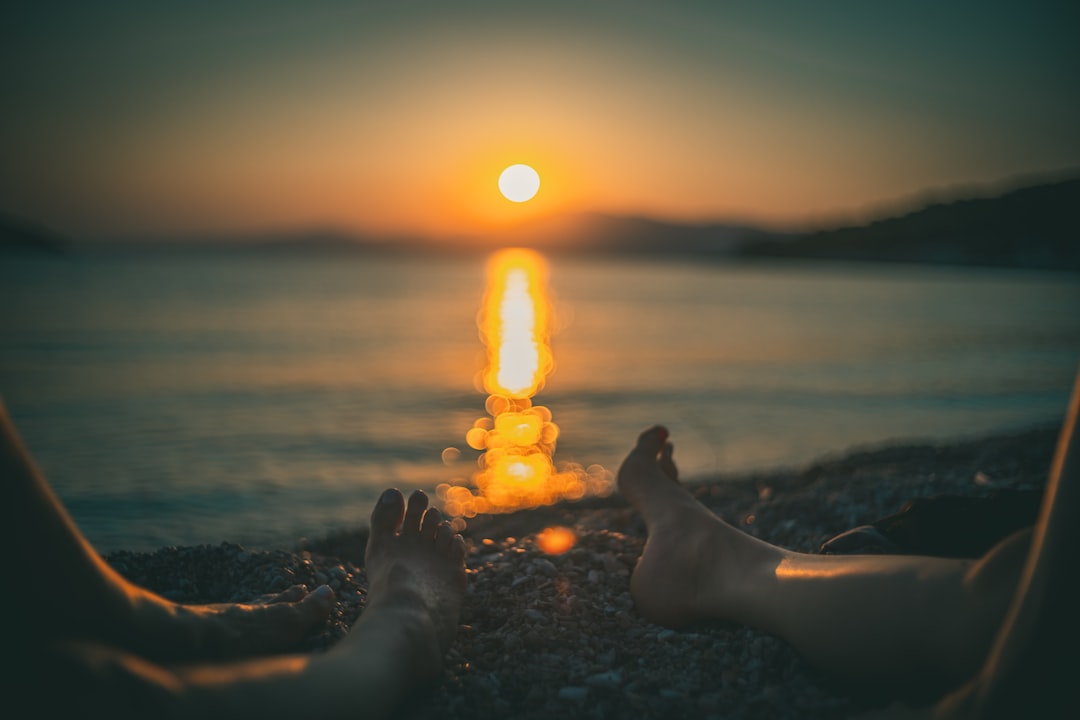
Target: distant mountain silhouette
{"points": [[1033, 227], [598, 234], [23, 236]]}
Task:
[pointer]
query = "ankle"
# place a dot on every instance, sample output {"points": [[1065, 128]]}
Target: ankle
{"points": [[737, 571]]}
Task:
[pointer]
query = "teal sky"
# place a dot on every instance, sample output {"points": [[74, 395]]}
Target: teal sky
{"points": [[162, 119]]}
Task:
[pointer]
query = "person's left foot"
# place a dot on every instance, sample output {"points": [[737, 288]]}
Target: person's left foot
{"points": [[416, 566], [170, 632]]}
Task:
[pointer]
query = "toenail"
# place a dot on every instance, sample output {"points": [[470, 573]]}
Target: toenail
{"points": [[388, 497]]}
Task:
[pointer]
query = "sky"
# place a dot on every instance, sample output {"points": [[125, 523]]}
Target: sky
{"points": [[175, 119]]}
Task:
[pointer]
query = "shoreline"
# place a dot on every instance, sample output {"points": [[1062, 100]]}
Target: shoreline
{"points": [[557, 635]]}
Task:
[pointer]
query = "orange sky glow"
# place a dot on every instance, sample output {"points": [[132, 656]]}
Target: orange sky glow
{"points": [[372, 119]]}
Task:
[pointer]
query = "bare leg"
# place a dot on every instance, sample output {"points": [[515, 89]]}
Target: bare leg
{"points": [[872, 619], [79, 595], [416, 570], [417, 579], [1028, 672]]}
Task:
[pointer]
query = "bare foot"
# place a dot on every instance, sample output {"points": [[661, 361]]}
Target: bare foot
{"points": [[694, 563], [170, 632], [416, 570], [89, 600]]}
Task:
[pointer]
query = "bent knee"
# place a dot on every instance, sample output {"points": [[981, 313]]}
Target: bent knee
{"points": [[998, 571]]}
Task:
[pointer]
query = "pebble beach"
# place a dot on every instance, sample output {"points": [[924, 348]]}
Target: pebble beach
{"points": [[556, 635]]}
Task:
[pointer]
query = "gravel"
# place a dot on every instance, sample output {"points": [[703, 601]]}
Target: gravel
{"points": [[557, 635]]}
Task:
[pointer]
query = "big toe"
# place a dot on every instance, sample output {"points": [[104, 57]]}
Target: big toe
{"points": [[645, 476], [387, 514], [651, 442]]}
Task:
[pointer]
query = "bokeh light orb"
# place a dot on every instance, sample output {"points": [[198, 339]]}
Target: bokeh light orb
{"points": [[556, 540]]}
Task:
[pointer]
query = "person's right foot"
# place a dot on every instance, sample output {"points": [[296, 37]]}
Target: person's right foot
{"points": [[693, 563]]}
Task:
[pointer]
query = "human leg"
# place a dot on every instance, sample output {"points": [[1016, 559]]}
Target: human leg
{"points": [[871, 620], [77, 594], [1027, 672], [416, 572]]}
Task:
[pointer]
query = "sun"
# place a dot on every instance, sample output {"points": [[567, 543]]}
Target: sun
{"points": [[519, 183]]}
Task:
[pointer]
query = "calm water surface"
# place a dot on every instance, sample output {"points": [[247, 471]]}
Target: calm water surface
{"points": [[187, 398]]}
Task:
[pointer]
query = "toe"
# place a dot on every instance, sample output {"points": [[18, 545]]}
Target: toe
{"points": [[386, 516], [292, 593], [313, 609], [414, 514], [667, 462], [430, 525], [652, 440], [317, 604], [444, 536], [457, 549]]}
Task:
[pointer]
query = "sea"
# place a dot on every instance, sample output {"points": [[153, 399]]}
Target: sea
{"points": [[198, 397]]}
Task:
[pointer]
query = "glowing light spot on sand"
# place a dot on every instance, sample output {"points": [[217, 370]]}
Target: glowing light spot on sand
{"points": [[556, 540]]}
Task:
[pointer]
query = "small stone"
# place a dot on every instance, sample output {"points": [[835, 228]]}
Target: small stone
{"points": [[573, 694], [607, 680], [710, 703], [545, 567], [533, 640], [278, 584]]}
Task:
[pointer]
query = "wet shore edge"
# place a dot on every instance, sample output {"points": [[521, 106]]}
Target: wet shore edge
{"points": [[556, 635]]}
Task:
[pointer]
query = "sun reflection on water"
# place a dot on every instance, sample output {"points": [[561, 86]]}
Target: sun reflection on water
{"points": [[517, 438]]}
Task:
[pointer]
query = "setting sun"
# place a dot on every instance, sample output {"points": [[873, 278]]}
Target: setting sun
{"points": [[519, 183]]}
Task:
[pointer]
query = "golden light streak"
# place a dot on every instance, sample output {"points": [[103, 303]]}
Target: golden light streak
{"points": [[517, 439], [515, 324]]}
